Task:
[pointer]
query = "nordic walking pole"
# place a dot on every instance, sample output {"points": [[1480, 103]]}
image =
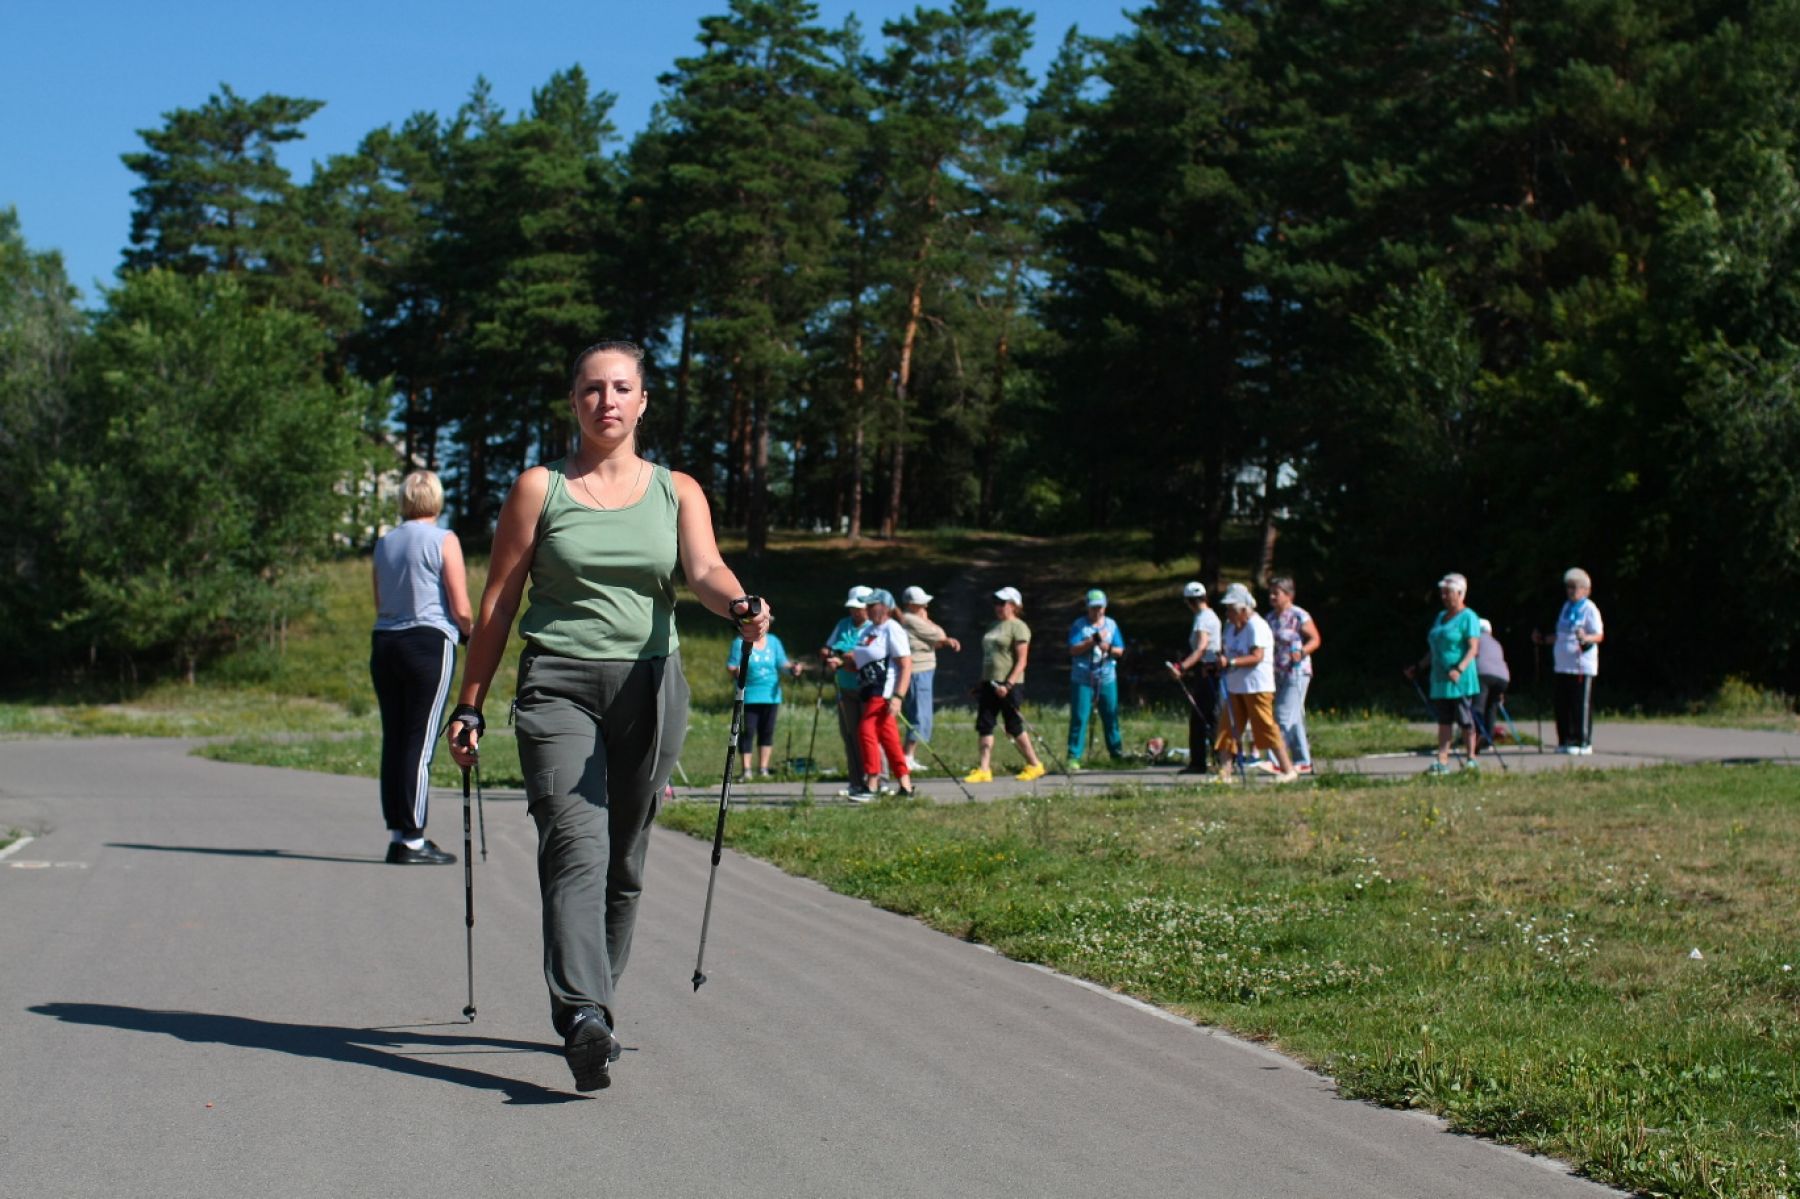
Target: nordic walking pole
{"points": [[1482, 731], [468, 892], [942, 765], [480, 810], [1030, 731], [752, 609], [1537, 688], [1455, 741], [813, 741]]}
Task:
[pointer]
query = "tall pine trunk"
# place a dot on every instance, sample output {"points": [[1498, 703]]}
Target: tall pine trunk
{"points": [[915, 303]]}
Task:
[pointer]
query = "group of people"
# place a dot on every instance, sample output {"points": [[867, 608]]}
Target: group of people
{"points": [[1469, 676], [1254, 672], [601, 700], [884, 659]]}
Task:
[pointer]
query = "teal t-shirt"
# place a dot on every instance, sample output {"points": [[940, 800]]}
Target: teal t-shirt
{"points": [[842, 640], [762, 683], [1449, 639]]}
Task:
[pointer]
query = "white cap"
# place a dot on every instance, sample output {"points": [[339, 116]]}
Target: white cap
{"points": [[858, 598], [1010, 595], [1193, 591], [914, 595], [1238, 596]]}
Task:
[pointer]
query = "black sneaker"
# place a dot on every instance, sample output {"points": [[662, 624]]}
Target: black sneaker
{"points": [[590, 1049], [427, 854], [858, 794]]}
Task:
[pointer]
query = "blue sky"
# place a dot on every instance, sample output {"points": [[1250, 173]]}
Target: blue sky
{"points": [[79, 78]]}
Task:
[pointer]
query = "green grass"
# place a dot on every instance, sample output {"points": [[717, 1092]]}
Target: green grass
{"points": [[1512, 953]]}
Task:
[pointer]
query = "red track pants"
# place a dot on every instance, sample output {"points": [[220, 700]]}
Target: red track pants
{"points": [[880, 732]]}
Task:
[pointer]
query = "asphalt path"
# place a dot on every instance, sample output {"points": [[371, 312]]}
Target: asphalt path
{"points": [[210, 984]]}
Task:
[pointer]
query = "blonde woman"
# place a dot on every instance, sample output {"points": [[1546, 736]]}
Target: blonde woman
{"points": [[421, 612]]}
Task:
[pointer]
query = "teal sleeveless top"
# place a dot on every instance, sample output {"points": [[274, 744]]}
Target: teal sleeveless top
{"points": [[603, 580]]}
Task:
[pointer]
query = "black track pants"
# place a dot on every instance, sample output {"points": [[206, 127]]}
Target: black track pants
{"points": [[1575, 709], [412, 670]]}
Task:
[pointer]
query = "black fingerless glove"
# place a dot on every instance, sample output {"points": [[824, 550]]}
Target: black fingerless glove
{"points": [[470, 716]]}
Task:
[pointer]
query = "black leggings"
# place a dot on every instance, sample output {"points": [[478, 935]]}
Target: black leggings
{"points": [[759, 722], [412, 670]]}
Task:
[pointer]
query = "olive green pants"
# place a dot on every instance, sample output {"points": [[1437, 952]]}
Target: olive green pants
{"points": [[597, 741]]}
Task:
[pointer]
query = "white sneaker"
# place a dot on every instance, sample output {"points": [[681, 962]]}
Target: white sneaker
{"points": [[912, 765], [1571, 750], [1586, 751]]}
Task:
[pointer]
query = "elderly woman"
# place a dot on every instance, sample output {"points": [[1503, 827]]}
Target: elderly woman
{"points": [[1095, 647], [882, 659], [1453, 646], [927, 637], [1005, 647], [421, 612], [1491, 669], [1576, 657], [1248, 662], [762, 695], [1296, 641]]}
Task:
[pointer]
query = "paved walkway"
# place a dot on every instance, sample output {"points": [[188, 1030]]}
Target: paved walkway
{"points": [[1616, 744], [210, 985]]}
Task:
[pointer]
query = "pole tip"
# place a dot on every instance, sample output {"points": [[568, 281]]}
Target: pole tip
{"points": [[469, 1012], [698, 979]]}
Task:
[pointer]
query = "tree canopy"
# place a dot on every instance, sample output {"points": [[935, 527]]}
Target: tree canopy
{"points": [[1396, 288]]}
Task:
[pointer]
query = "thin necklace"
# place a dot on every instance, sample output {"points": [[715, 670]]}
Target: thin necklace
{"points": [[583, 477]]}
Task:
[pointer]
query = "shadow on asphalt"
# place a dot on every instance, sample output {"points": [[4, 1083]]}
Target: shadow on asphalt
{"points": [[286, 855], [354, 1046]]}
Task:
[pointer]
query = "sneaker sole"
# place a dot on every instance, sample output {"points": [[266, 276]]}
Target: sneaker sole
{"points": [[591, 1056]]}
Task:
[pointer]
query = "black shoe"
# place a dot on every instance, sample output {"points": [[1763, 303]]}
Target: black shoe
{"points": [[1197, 769], [590, 1049], [427, 854]]}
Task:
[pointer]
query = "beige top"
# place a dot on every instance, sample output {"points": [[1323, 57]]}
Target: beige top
{"points": [[926, 635]]}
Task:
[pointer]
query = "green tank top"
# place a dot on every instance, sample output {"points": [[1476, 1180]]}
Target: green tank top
{"points": [[603, 581]]}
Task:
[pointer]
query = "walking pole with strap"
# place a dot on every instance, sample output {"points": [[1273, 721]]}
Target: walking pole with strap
{"points": [[942, 765], [752, 609], [468, 894]]}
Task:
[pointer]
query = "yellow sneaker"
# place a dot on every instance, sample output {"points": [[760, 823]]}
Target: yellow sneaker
{"points": [[979, 776], [1031, 773]]}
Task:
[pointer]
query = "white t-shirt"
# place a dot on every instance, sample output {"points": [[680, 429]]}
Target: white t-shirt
{"points": [[1206, 621], [1578, 616], [885, 641], [1241, 643]]}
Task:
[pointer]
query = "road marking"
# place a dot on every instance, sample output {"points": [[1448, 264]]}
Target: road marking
{"points": [[15, 847], [33, 864]]}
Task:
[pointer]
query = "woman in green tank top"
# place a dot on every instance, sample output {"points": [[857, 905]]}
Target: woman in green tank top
{"points": [[601, 704]]}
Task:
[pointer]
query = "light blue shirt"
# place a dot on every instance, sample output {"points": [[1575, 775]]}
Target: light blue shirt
{"points": [[1097, 665]]}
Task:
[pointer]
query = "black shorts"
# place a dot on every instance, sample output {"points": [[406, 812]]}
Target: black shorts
{"points": [[1454, 711], [759, 719], [989, 704]]}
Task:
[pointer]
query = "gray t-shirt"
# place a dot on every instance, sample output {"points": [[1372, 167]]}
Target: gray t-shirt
{"points": [[409, 573], [1490, 659]]}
